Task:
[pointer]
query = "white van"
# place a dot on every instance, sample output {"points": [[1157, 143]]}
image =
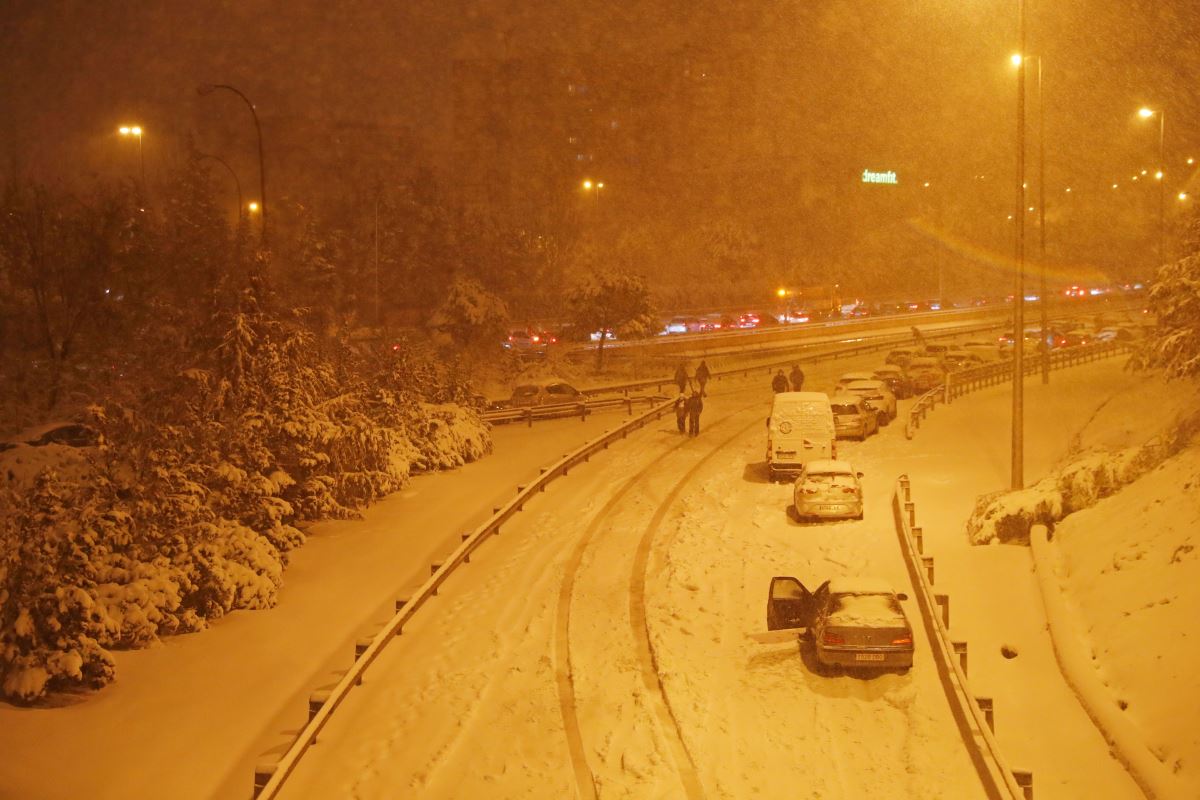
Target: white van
{"points": [[799, 430]]}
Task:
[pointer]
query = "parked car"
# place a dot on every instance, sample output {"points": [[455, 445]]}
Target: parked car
{"points": [[1030, 343], [988, 351], [68, 434], [955, 360], [877, 396], [925, 373], [854, 623], [900, 356], [850, 377], [938, 351], [852, 418], [546, 392], [896, 380], [828, 489]]}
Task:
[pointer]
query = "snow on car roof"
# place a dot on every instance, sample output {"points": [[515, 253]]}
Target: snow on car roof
{"points": [[866, 383], [857, 376], [867, 611], [859, 585], [828, 465], [891, 369]]}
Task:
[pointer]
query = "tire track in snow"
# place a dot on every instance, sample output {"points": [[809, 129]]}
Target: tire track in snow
{"points": [[565, 666]]}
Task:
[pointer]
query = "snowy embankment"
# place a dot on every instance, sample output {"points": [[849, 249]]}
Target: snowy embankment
{"points": [[1119, 576], [1128, 577]]}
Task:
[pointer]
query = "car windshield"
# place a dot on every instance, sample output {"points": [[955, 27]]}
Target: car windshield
{"points": [[844, 408]]}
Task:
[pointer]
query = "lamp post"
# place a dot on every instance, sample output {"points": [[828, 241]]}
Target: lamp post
{"points": [[1044, 347], [136, 130], [1146, 113], [1018, 375], [237, 183], [209, 88], [594, 188]]}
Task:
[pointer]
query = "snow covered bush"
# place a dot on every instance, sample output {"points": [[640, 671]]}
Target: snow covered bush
{"points": [[1008, 516], [190, 508]]}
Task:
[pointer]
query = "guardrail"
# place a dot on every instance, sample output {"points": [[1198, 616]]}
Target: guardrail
{"points": [[269, 779], [974, 716], [558, 410], [957, 384]]}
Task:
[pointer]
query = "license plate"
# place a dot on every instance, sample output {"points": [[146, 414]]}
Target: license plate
{"points": [[868, 656]]}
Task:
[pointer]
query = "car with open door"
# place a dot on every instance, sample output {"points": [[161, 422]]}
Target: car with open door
{"points": [[853, 623]]}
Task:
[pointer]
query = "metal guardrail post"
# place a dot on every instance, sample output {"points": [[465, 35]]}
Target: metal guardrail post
{"points": [[943, 602], [1025, 781], [927, 562], [987, 707], [919, 537], [960, 649]]}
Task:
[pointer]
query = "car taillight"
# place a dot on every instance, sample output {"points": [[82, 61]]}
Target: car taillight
{"points": [[833, 638], [534, 339], [905, 639]]}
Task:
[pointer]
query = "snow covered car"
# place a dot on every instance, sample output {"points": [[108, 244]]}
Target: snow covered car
{"points": [[895, 379], [546, 392], [827, 489], [851, 417], [878, 396], [851, 622], [853, 376], [901, 356], [955, 360], [70, 434], [925, 372]]}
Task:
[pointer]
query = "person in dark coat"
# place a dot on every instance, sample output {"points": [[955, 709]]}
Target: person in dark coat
{"points": [[681, 377], [681, 410], [694, 406], [702, 375], [797, 378], [780, 382]]}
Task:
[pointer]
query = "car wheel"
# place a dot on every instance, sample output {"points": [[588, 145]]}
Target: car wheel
{"points": [[859, 516]]}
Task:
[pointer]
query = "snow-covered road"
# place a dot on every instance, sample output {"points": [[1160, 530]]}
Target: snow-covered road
{"points": [[598, 647], [484, 694]]}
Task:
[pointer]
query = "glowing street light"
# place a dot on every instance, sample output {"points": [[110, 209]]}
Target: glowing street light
{"points": [[1183, 196], [136, 130], [1145, 112], [252, 207]]}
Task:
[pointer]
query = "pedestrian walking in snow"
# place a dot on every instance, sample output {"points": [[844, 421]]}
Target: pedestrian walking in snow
{"points": [[780, 382], [681, 410], [797, 378], [694, 406], [681, 377], [702, 377]]}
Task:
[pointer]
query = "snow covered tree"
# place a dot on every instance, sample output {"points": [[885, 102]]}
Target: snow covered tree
{"points": [[613, 301], [470, 315], [1175, 302]]}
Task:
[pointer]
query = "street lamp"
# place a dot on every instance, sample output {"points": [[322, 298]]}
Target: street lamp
{"points": [[136, 130], [209, 88], [594, 187], [1018, 376], [1146, 113], [1045, 324]]}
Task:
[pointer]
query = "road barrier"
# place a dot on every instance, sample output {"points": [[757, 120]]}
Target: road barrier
{"points": [[972, 714], [528, 414], [957, 384], [270, 777]]}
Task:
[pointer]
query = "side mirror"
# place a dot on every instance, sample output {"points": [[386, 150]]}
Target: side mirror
{"points": [[859, 474], [901, 596]]}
